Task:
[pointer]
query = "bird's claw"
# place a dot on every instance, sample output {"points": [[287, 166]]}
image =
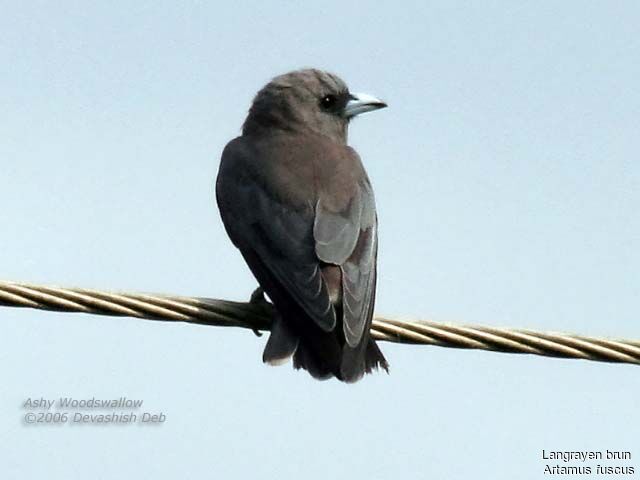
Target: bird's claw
{"points": [[257, 298]]}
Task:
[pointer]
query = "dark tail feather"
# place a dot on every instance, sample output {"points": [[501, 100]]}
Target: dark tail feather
{"points": [[365, 358], [303, 358], [374, 358], [353, 367], [281, 345]]}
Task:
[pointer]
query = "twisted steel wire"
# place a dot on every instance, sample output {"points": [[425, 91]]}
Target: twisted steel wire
{"points": [[257, 316]]}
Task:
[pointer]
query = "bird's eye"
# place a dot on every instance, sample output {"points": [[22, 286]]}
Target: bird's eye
{"points": [[328, 101]]}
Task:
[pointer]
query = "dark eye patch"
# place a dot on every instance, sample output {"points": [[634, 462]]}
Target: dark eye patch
{"points": [[332, 102], [328, 101]]}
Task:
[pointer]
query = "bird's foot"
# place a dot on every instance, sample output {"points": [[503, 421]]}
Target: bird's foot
{"points": [[257, 298]]}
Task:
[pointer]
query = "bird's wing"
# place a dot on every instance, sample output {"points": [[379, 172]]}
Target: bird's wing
{"points": [[348, 238], [293, 238], [282, 238], [274, 233]]}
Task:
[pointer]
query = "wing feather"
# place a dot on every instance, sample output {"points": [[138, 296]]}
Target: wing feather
{"points": [[348, 239], [283, 239]]}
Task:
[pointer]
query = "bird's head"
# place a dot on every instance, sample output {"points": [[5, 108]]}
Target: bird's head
{"points": [[307, 100]]}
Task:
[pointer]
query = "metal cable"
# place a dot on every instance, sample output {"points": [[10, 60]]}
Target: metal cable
{"points": [[257, 316]]}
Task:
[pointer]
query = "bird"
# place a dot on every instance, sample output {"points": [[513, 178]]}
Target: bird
{"points": [[296, 201]]}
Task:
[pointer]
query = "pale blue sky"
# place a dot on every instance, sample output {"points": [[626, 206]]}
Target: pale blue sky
{"points": [[508, 188]]}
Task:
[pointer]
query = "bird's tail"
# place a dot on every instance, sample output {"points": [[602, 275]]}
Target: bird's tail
{"points": [[374, 358], [281, 345], [354, 364], [365, 358], [320, 355], [319, 368]]}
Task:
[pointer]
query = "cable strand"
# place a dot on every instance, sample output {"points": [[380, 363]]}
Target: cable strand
{"points": [[257, 316]]}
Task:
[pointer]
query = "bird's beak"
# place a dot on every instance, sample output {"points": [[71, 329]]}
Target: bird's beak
{"points": [[360, 103]]}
